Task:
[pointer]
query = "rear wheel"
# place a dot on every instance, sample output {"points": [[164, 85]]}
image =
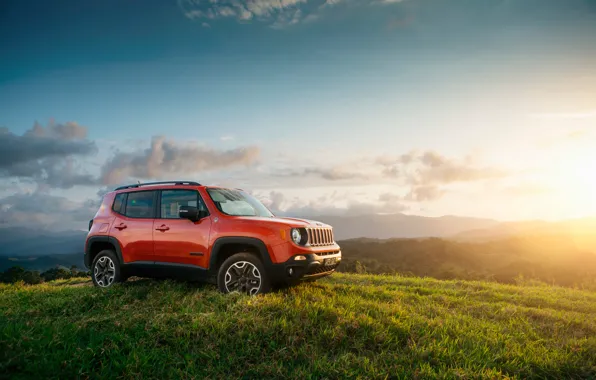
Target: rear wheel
{"points": [[106, 270], [243, 272]]}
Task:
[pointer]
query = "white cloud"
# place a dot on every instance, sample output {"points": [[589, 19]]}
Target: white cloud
{"points": [[331, 204], [165, 158]]}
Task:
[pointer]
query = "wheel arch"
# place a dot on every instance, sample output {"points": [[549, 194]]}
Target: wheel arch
{"points": [[226, 246], [96, 244]]}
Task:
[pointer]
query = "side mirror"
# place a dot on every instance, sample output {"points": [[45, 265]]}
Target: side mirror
{"points": [[192, 213]]}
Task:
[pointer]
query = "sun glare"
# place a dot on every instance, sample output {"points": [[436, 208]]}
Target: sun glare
{"points": [[574, 177]]}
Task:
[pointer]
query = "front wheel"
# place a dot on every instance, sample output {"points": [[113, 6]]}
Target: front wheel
{"points": [[243, 272], [106, 269]]}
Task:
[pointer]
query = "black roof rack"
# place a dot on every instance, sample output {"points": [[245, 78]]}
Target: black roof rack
{"points": [[192, 183]]}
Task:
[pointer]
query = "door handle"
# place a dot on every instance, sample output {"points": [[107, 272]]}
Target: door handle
{"points": [[120, 227], [163, 228]]}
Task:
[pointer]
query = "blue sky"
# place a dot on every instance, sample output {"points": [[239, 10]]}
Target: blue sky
{"points": [[328, 95]]}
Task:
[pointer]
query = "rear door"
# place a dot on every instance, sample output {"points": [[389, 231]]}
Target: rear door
{"points": [[176, 240], [133, 226]]}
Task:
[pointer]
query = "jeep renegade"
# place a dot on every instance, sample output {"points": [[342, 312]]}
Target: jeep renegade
{"points": [[186, 230]]}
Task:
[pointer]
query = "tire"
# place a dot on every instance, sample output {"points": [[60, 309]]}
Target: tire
{"points": [[241, 271], [109, 273]]}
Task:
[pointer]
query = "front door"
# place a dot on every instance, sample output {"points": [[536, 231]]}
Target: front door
{"points": [[176, 240], [133, 225]]}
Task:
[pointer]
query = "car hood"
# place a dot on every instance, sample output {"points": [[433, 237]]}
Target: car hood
{"points": [[290, 222]]}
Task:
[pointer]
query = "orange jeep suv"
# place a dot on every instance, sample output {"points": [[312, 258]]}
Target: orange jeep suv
{"points": [[186, 230]]}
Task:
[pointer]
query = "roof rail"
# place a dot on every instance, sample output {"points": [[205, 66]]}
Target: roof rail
{"points": [[177, 183]]}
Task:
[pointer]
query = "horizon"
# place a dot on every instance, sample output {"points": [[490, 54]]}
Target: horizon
{"points": [[333, 107]]}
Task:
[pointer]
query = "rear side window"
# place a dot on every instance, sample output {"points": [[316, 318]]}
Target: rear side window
{"points": [[172, 200], [119, 202], [139, 204]]}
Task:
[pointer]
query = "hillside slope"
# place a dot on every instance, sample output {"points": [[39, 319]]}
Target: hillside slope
{"points": [[343, 326], [553, 259]]}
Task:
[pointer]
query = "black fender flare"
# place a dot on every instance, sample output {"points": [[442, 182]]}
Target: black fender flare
{"points": [[102, 239], [254, 242]]}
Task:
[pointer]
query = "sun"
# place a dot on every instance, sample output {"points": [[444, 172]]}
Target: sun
{"points": [[572, 174]]}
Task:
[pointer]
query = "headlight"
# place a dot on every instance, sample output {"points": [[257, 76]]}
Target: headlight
{"points": [[296, 235]]}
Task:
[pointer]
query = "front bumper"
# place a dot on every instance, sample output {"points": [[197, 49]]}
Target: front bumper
{"points": [[315, 266]]}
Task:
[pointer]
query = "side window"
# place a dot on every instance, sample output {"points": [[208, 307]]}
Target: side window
{"points": [[139, 204], [172, 200], [119, 201]]}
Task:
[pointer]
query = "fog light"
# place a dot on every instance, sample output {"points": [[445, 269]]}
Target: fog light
{"points": [[291, 271], [300, 258]]}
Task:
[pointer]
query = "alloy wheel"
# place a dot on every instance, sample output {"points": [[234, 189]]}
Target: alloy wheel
{"points": [[244, 277], [104, 271]]}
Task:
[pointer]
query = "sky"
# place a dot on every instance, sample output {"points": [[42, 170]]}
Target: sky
{"points": [[483, 108]]}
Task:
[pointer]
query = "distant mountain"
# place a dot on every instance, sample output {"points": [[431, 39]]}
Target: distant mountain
{"points": [[42, 263], [402, 226], [30, 242], [20, 242], [16, 242], [582, 231]]}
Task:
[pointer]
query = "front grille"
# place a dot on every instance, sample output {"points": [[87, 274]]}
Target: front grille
{"points": [[322, 269], [319, 236]]}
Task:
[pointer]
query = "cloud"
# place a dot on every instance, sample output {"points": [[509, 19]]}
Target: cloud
{"points": [[424, 193], [330, 174], [44, 211], [67, 131], [279, 204], [330, 3], [166, 158], [275, 201], [389, 198], [287, 19], [278, 13], [420, 176], [46, 154], [431, 168]]}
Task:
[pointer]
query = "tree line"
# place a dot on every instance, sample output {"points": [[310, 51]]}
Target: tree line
{"points": [[32, 277]]}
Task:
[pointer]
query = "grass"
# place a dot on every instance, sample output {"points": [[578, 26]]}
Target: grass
{"points": [[346, 326]]}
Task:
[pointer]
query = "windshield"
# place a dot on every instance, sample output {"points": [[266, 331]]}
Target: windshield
{"points": [[237, 203]]}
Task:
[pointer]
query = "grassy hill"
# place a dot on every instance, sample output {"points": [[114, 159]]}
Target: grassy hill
{"points": [[344, 326]]}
